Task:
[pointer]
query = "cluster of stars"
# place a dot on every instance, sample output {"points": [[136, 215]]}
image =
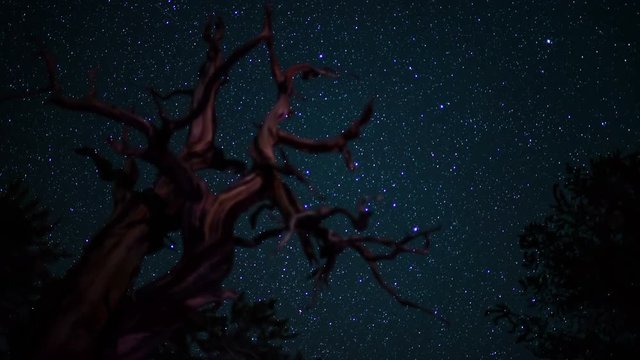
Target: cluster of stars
{"points": [[476, 112]]}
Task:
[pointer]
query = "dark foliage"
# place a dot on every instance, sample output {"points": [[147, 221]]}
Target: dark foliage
{"points": [[26, 255], [583, 274], [252, 331]]}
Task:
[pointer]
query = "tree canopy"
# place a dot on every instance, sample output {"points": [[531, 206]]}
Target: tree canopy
{"points": [[583, 275]]}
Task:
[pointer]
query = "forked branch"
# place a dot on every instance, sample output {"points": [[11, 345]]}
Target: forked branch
{"points": [[335, 144], [332, 244]]}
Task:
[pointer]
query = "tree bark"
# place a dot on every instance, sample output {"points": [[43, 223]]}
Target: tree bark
{"points": [[95, 286], [95, 317]]}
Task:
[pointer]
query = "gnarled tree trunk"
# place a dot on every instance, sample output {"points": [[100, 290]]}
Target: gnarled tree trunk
{"points": [[98, 313]]}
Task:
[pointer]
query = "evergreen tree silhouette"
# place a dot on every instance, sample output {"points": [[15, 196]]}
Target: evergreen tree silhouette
{"points": [[583, 274], [25, 260]]}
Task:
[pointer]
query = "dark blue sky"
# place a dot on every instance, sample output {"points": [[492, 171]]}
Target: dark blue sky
{"points": [[478, 107]]}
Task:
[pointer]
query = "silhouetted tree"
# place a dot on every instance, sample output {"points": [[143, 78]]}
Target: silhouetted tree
{"points": [[252, 331], [25, 256], [98, 313], [583, 273]]}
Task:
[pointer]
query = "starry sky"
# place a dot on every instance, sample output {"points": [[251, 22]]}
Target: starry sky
{"points": [[478, 107]]}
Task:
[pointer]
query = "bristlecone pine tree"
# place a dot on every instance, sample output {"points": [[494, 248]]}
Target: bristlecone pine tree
{"points": [[98, 313]]}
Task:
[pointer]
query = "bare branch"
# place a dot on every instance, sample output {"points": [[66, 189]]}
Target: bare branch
{"points": [[307, 220], [215, 39], [335, 144], [90, 102], [260, 238], [157, 101], [204, 96], [158, 98], [306, 72], [332, 245], [253, 219], [199, 150], [103, 166], [373, 266]]}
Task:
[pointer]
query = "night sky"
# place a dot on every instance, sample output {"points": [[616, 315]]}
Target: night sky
{"points": [[478, 107]]}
